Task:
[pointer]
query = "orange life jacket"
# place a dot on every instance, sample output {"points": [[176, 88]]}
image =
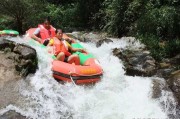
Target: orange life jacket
{"points": [[60, 46], [46, 33]]}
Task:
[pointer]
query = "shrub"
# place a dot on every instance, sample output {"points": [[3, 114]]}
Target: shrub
{"points": [[161, 49]]}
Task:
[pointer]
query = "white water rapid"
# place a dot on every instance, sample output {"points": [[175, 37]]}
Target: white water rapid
{"points": [[116, 96]]}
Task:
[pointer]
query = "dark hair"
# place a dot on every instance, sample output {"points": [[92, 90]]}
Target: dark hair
{"points": [[47, 19], [58, 30]]}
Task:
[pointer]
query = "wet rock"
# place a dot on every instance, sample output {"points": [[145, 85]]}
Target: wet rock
{"points": [[74, 36], [13, 67], [78, 36], [164, 73], [7, 69], [174, 84], [4, 43], [12, 115], [138, 62], [158, 87], [91, 37], [161, 90], [167, 66], [118, 52], [88, 37], [25, 51], [23, 56], [8, 78], [100, 42]]}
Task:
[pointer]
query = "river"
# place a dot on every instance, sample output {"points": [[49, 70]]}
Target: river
{"points": [[116, 96]]}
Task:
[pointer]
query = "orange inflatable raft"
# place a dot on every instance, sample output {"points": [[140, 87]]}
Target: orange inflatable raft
{"points": [[89, 72]]}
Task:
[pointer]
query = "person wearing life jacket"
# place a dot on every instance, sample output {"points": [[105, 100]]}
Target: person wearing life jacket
{"points": [[44, 32], [61, 49]]}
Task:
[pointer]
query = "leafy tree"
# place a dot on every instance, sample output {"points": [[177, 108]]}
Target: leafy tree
{"points": [[120, 15], [161, 19], [85, 11], [60, 2], [19, 11]]}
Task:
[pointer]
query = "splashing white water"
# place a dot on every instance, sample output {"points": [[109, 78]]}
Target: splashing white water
{"points": [[116, 96]]}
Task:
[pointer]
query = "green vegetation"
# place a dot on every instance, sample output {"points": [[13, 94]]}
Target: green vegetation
{"points": [[153, 21], [161, 48]]}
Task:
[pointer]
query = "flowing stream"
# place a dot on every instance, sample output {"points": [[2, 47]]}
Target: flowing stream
{"points": [[116, 96]]}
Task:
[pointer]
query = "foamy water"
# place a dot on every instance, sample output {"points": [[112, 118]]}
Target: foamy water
{"points": [[116, 96]]}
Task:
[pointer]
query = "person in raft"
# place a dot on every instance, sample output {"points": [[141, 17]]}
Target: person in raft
{"points": [[61, 49], [44, 32]]}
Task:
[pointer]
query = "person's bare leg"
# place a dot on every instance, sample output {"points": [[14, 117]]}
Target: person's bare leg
{"points": [[74, 59], [61, 56]]}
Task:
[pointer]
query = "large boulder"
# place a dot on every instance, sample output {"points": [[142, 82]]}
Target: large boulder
{"points": [[16, 62], [105, 40], [174, 84], [18, 58], [168, 101], [78, 36], [167, 66], [26, 59], [88, 37], [158, 87], [6, 44], [137, 62], [12, 115], [26, 51], [23, 56]]}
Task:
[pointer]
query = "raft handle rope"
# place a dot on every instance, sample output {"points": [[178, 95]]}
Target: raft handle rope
{"points": [[72, 78]]}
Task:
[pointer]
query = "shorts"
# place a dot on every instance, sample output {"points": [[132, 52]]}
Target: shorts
{"points": [[46, 42]]}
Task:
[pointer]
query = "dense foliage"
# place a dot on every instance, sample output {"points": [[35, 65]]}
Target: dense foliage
{"points": [[152, 21]]}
